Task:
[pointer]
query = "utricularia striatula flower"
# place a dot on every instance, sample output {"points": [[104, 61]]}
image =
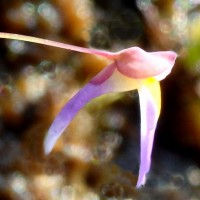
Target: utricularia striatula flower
{"points": [[131, 69]]}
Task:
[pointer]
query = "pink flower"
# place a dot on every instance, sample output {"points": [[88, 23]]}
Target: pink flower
{"points": [[131, 69]]}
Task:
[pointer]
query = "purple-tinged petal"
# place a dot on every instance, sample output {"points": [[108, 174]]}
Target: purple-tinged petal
{"points": [[108, 80], [150, 101]]}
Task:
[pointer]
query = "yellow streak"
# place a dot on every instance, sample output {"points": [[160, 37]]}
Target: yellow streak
{"points": [[154, 88]]}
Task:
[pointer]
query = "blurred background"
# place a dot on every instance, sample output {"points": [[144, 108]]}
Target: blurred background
{"points": [[97, 158]]}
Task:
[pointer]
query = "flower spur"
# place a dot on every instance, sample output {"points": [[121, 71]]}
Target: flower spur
{"points": [[131, 69]]}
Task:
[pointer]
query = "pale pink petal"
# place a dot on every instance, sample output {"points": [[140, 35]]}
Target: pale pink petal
{"points": [[149, 95], [139, 64]]}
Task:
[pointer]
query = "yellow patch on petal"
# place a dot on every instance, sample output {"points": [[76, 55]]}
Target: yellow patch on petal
{"points": [[154, 88]]}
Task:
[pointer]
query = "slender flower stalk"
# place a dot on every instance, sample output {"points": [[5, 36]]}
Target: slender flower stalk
{"points": [[131, 69]]}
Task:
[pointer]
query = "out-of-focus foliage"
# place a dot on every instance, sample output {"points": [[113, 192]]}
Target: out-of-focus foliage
{"points": [[97, 157]]}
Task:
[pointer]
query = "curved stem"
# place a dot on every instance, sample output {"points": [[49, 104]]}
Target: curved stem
{"points": [[61, 45]]}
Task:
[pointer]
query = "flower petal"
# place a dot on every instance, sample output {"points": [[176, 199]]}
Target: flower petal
{"points": [[108, 80], [150, 103], [136, 63]]}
